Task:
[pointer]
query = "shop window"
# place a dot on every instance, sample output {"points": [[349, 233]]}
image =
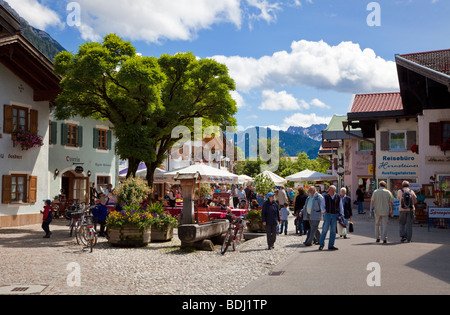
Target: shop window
{"points": [[19, 188], [102, 183]]}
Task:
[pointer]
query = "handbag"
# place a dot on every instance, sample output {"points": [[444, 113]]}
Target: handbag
{"points": [[350, 227]]}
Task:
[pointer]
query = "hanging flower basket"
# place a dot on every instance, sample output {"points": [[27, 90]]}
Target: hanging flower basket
{"points": [[26, 139]]}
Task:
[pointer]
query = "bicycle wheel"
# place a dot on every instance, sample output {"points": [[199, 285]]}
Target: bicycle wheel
{"points": [[92, 239], [238, 238], [226, 241]]}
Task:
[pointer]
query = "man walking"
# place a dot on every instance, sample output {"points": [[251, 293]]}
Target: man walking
{"points": [[332, 204], [271, 218], [313, 212], [346, 204], [407, 199], [382, 206]]}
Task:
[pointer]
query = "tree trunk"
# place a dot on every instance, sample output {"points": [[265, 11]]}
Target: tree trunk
{"points": [[133, 165]]}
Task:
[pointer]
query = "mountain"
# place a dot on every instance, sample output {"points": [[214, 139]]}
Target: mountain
{"points": [[40, 39], [313, 132], [292, 144]]}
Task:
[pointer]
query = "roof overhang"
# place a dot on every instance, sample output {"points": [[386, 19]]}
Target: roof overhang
{"points": [[29, 64]]}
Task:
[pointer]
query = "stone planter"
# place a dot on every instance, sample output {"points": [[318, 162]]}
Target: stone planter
{"points": [[129, 236], [162, 234], [256, 226]]}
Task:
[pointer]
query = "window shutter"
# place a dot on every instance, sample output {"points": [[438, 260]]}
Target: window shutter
{"points": [[64, 135], [410, 139], [54, 135], [435, 133], [32, 190], [6, 189], [80, 136], [109, 139], [34, 121], [96, 139], [8, 119], [384, 141]]}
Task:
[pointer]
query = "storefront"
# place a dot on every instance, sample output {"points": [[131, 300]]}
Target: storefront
{"points": [[81, 155]]}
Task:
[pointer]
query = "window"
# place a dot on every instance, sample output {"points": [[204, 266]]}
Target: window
{"points": [[18, 188], [17, 117], [102, 139], [72, 135], [365, 146], [20, 118], [397, 140], [103, 182], [439, 132], [53, 129]]}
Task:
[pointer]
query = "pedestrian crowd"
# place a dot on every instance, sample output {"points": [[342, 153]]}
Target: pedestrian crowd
{"points": [[335, 211]]}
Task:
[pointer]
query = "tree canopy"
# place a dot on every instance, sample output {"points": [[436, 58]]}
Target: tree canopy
{"points": [[144, 98]]}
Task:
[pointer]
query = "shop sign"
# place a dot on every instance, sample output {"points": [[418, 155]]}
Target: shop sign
{"points": [[437, 159], [398, 166], [438, 213], [79, 169]]}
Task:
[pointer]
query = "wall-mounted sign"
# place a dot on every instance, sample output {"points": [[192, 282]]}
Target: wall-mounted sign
{"points": [[79, 169], [392, 165], [443, 159]]}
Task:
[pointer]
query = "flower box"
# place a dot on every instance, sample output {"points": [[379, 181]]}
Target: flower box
{"points": [[129, 236], [163, 234]]}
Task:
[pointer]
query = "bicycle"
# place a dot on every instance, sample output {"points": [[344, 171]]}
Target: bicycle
{"points": [[86, 232], [234, 233], [74, 216]]}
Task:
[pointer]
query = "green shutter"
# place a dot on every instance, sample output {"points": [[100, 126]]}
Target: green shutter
{"points": [[96, 140], [109, 140], [64, 135], [54, 135], [80, 136]]}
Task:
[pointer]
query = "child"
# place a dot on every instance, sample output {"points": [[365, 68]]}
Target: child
{"points": [[284, 213], [100, 214], [47, 218]]}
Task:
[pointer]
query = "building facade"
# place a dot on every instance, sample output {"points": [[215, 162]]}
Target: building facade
{"points": [[27, 86]]}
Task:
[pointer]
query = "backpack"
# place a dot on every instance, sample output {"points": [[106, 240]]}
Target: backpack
{"points": [[407, 200]]}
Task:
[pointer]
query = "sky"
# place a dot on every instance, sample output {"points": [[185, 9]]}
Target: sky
{"points": [[295, 62]]}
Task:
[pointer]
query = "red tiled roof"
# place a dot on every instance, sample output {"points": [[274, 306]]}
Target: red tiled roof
{"points": [[438, 60], [379, 102]]}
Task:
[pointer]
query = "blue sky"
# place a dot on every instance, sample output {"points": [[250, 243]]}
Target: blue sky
{"points": [[295, 62]]}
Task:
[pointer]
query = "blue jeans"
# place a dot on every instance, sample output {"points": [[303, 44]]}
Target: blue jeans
{"points": [[285, 224], [300, 224], [360, 207], [329, 223]]}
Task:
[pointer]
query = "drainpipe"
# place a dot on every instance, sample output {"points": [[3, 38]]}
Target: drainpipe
{"points": [[374, 159]]}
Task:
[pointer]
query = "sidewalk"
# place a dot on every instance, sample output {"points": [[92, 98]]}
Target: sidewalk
{"points": [[419, 267]]}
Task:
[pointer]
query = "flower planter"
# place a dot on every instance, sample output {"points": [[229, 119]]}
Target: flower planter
{"points": [[162, 234], [129, 236], [256, 227]]}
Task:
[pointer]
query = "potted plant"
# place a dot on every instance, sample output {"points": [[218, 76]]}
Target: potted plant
{"points": [[255, 223], [26, 139], [130, 227], [163, 223]]}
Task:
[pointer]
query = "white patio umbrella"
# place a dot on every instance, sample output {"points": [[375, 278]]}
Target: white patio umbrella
{"points": [[143, 173], [245, 179], [209, 175], [310, 176], [277, 180]]}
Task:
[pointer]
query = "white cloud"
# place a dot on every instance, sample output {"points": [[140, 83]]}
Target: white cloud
{"points": [[343, 68], [240, 102], [304, 120], [36, 14], [282, 101]]}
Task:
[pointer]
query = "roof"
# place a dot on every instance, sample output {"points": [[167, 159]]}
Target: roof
{"points": [[26, 61], [335, 130], [379, 102], [438, 60]]}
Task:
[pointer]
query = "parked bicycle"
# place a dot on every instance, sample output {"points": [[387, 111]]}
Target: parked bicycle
{"points": [[74, 215], [234, 233], [86, 233]]}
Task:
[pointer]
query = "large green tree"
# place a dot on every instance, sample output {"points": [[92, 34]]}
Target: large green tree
{"points": [[143, 97]]}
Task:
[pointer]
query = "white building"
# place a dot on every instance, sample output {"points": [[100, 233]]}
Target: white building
{"points": [[27, 86]]}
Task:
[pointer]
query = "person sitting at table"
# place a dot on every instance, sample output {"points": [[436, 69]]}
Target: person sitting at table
{"points": [[222, 205], [254, 205], [100, 214], [111, 198]]}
